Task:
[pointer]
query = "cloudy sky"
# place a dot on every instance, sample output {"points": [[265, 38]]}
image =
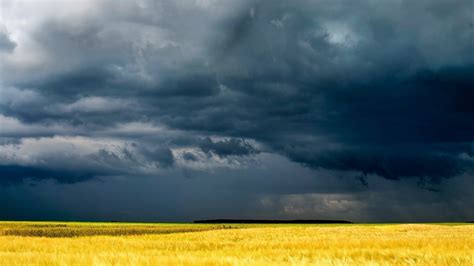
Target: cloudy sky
{"points": [[174, 110]]}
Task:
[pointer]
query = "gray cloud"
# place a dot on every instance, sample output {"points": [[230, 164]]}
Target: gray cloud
{"points": [[366, 89], [7, 45], [245, 193], [227, 147]]}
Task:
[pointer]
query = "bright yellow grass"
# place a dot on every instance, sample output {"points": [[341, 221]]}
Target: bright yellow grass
{"points": [[261, 245]]}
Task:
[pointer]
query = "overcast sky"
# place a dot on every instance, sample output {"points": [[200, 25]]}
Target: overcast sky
{"points": [[174, 110]]}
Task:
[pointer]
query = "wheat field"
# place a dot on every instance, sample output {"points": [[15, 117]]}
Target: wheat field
{"points": [[52, 243]]}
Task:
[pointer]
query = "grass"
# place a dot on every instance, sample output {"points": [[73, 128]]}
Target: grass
{"points": [[52, 229], [54, 243]]}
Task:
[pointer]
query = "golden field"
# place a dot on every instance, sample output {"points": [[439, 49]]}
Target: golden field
{"points": [[54, 243]]}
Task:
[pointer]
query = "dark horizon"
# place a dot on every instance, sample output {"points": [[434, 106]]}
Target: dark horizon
{"points": [[247, 221], [257, 109]]}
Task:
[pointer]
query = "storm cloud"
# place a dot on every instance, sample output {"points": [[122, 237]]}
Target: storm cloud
{"points": [[366, 90], [6, 44]]}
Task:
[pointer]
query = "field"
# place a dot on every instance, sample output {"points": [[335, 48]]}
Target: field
{"points": [[60, 243]]}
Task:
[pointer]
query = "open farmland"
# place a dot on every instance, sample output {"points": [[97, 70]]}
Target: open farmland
{"points": [[54, 243]]}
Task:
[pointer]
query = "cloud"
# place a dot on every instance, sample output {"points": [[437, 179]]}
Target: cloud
{"points": [[75, 159], [188, 156], [387, 200], [14, 174], [161, 156], [393, 166], [6, 44], [286, 75], [360, 90], [227, 147], [12, 127], [258, 192], [95, 105]]}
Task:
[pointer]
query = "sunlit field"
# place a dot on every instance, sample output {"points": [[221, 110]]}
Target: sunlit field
{"points": [[54, 243]]}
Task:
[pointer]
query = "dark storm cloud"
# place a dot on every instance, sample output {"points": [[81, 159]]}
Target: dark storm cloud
{"points": [[227, 147], [162, 156], [389, 164], [231, 194], [77, 159], [14, 174], [189, 157], [6, 44], [370, 87], [299, 89], [192, 86]]}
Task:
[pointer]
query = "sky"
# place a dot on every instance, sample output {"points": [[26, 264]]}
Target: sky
{"points": [[176, 110]]}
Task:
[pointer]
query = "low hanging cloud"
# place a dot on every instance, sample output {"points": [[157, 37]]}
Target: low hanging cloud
{"points": [[227, 147], [75, 159], [365, 87]]}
